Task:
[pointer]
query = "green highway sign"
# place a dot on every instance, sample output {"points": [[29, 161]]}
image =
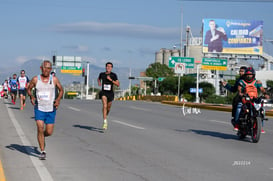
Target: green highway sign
{"points": [[189, 61], [71, 70], [214, 64], [160, 79], [145, 78]]}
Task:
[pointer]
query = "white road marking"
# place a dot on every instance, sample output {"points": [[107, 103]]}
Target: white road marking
{"points": [[38, 164], [73, 108], [139, 108], [126, 124], [222, 122]]}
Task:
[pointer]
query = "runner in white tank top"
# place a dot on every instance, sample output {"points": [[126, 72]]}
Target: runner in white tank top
{"points": [[45, 94], [44, 102]]}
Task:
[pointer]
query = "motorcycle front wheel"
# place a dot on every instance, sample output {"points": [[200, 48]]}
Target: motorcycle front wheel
{"points": [[256, 129]]}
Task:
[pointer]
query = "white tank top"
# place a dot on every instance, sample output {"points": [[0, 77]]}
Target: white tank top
{"points": [[45, 94], [5, 85]]}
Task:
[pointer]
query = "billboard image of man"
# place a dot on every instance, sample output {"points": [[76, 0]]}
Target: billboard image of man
{"points": [[214, 37]]}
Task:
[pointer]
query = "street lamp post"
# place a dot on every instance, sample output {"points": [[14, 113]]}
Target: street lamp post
{"points": [[181, 48], [197, 84], [87, 80]]}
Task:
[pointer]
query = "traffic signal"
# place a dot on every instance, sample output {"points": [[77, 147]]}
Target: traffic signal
{"points": [[54, 60], [85, 80], [222, 89], [83, 72]]}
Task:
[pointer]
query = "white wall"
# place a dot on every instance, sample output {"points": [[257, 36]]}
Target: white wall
{"points": [[263, 76]]}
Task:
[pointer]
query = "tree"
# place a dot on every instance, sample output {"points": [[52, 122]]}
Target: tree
{"points": [[208, 89], [269, 85], [156, 70], [169, 85]]}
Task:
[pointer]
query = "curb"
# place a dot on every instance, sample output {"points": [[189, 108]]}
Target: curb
{"points": [[217, 107], [2, 175]]}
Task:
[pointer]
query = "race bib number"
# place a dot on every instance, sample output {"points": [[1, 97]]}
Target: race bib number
{"points": [[44, 96], [22, 84], [107, 87]]}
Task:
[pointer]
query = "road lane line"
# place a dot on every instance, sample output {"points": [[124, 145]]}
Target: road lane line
{"points": [[222, 122], [38, 164], [74, 109], [139, 108], [126, 124], [2, 175]]}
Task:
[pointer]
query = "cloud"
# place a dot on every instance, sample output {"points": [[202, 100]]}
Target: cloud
{"points": [[78, 48], [146, 51], [106, 49], [23, 59], [118, 29], [89, 59]]}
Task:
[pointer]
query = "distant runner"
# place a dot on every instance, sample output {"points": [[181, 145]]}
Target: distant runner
{"points": [[23, 82], [13, 86], [5, 89]]}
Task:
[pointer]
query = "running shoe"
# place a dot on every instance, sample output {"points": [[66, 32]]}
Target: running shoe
{"points": [[236, 127], [104, 125], [22, 108], [42, 155], [262, 131]]}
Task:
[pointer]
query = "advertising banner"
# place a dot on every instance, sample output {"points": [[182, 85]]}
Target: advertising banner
{"points": [[232, 36]]}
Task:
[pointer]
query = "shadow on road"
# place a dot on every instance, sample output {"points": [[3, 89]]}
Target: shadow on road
{"points": [[212, 133], [88, 128], [29, 150], [14, 108]]}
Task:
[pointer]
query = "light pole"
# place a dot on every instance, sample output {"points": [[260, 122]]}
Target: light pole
{"points": [[197, 84], [181, 48], [87, 79], [181, 32]]}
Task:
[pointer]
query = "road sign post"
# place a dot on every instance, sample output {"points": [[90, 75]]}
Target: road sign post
{"points": [[180, 64]]}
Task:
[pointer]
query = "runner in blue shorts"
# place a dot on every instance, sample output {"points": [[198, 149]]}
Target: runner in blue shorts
{"points": [[45, 103], [22, 82]]}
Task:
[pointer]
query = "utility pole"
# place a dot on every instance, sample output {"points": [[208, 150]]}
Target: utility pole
{"points": [[87, 79], [130, 82]]}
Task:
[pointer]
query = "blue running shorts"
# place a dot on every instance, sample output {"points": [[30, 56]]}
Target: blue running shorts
{"points": [[47, 117]]}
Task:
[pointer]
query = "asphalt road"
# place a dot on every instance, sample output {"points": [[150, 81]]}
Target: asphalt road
{"points": [[145, 142]]}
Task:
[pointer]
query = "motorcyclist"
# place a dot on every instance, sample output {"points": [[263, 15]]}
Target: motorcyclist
{"points": [[249, 85], [234, 89]]}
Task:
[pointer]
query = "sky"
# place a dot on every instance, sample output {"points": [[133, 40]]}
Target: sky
{"points": [[125, 32]]}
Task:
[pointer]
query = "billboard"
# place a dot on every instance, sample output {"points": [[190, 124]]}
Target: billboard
{"points": [[232, 36]]}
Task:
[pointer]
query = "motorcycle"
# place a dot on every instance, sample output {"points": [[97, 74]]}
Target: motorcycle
{"points": [[251, 117]]}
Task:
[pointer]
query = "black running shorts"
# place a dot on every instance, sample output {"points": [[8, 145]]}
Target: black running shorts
{"points": [[109, 95]]}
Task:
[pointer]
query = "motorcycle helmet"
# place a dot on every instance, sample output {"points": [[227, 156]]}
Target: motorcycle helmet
{"points": [[249, 71]]}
